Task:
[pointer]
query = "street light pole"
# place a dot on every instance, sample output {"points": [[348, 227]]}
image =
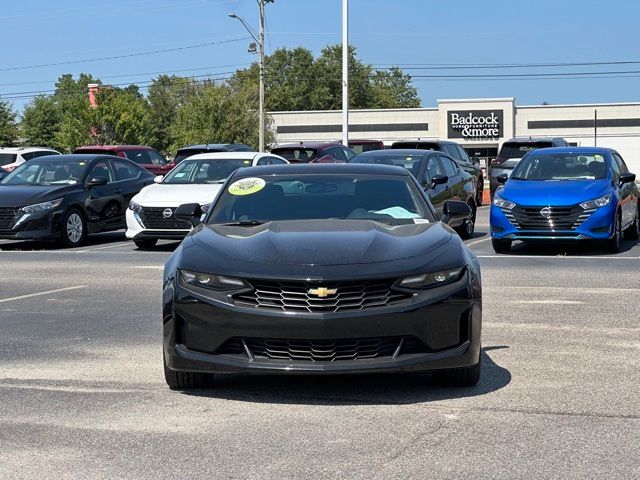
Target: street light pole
{"points": [[261, 101], [345, 73], [260, 42]]}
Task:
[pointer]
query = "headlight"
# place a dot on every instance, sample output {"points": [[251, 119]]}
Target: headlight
{"points": [[210, 281], [133, 206], [435, 279], [42, 207], [597, 203], [502, 203]]}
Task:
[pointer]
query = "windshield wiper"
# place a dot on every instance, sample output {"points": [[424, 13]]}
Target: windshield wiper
{"points": [[243, 223]]}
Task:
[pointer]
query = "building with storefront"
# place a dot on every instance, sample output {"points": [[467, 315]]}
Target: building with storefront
{"points": [[479, 125]]}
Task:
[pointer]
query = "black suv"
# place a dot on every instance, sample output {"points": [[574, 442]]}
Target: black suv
{"points": [[455, 151], [512, 152], [185, 152]]}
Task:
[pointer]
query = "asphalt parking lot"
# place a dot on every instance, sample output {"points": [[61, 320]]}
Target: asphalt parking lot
{"points": [[83, 396]]}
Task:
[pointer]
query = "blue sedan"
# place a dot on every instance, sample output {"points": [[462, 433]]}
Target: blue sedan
{"points": [[567, 193]]}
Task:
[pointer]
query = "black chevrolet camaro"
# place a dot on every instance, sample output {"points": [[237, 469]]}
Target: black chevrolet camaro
{"points": [[66, 197], [322, 269]]}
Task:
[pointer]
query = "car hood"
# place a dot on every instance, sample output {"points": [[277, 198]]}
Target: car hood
{"points": [[544, 193], [22, 195], [321, 243], [173, 195]]}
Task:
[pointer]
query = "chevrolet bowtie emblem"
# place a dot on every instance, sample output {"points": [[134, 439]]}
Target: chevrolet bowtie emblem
{"points": [[322, 292]]}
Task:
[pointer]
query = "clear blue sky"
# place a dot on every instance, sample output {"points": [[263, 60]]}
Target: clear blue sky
{"points": [[385, 32]]}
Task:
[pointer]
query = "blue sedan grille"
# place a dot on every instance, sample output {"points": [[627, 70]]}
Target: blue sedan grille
{"points": [[547, 218]]}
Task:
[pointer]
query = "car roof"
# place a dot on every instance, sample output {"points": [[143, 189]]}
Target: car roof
{"points": [[87, 157], [399, 151], [25, 149], [309, 145], [115, 147], [212, 146], [423, 140], [322, 168], [577, 150], [225, 155], [534, 139]]}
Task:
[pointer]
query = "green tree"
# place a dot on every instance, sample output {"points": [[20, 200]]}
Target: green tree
{"points": [[393, 89], [289, 79], [41, 121], [167, 94], [9, 131], [121, 116]]}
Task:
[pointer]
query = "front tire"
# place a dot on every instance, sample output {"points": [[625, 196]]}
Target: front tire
{"points": [[186, 380], [500, 245], [633, 231], [612, 245], [459, 377], [73, 229], [145, 243]]}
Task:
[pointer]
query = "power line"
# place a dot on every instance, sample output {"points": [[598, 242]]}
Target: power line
{"points": [[139, 54], [463, 66]]}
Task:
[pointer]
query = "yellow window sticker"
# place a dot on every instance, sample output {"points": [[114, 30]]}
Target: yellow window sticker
{"points": [[247, 162], [246, 186]]}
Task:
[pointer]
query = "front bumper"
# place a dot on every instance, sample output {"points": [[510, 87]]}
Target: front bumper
{"points": [[446, 321], [135, 231], [598, 226], [40, 227]]}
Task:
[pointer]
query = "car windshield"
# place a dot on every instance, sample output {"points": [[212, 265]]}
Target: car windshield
{"points": [[409, 161], [51, 172], [7, 158], [205, 171], [384, 198], [296, 154], [519, 150], [418, 144], [561, 167]]}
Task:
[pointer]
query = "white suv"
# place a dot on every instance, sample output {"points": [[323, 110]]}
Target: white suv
{"points": [[11, 157]]}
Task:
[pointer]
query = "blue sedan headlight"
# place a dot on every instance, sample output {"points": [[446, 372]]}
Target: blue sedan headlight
{"points": [[502, 203], [597, 203]]}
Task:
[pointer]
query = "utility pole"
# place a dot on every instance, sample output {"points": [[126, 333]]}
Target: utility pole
{"points": [[259, 38], [595, 128], [261, 46], [345, 73]]}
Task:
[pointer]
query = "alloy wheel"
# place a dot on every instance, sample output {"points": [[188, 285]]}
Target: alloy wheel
{"points": [[74, 228]]}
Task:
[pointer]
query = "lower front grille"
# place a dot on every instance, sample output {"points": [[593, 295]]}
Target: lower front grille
{"points": [[547, 218], [329, 297], [8, 217], [323, 350], [159, 218]]}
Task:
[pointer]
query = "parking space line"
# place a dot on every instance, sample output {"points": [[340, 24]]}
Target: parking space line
{"points": [[109, 246], [563, 257], [149, 267], [29, 295], [475, 242]]}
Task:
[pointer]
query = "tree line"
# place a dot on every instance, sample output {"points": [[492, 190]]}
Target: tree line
{"points": [[178, 111]]}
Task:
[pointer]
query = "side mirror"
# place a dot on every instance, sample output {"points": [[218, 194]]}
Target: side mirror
{"points": [[455, 211], [438, 180], [189, 212], [627, 178], [158, 179], [502, 179], [97, 182]]}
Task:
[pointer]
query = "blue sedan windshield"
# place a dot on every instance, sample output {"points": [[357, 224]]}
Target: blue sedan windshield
{"points": [[561, 167]]}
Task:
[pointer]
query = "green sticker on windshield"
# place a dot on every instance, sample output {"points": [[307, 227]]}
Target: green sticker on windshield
{"points": [[246, 186], [247, 162]]}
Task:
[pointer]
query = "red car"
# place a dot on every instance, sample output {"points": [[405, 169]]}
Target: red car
{"points": [[314, 152], [146, 157]]}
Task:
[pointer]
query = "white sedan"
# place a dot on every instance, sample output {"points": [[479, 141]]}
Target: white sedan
{"points": [[197, 179]]}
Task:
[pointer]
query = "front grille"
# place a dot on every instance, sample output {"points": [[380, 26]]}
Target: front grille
{"points": [[153, 218], [323, 350], [330, 297], [8, 217], [558, 218]]}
